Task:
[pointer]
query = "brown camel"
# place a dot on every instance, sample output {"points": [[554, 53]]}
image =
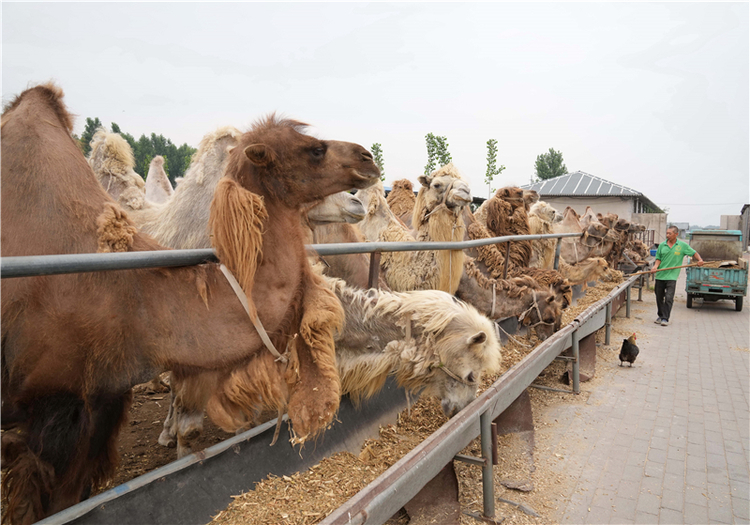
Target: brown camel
{"points": [[507, 215], [65, 425]]}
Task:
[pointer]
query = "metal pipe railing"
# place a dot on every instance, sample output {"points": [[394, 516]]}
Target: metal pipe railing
{"points": [[34, 265]]}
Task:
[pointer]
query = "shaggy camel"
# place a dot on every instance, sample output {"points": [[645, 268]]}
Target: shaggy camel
{"points": [[403, 271], [158, 187], [262, 183], [437, 217], [529, 197], [401, 200], [65, 425], [428, 339], [521, 297], [507, 215]]}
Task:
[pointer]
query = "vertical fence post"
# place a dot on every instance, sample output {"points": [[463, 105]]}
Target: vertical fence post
{"points": [[558, 246], [627, 303], [488, 480], [576, 363], [608, 324], [372, 280]]}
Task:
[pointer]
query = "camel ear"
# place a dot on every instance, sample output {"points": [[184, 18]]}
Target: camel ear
{"points": [[260, 154], [479, 337], [550, 299], [425, 180]]}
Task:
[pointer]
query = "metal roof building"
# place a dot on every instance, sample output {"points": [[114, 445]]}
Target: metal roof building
{"points": [[580, 189]]}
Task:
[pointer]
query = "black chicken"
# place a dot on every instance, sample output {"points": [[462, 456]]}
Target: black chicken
{"points": [[629, 351]]}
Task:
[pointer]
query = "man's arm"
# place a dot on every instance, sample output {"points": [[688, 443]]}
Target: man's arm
{"points": [[656, 265], [697, 255]]}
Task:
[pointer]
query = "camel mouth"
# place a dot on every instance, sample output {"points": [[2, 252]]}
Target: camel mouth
{"points": [[460, 198], [364, 179], [353, 218]]}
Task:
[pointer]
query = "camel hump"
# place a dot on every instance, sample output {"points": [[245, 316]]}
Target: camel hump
{"points": [[52, 95]]}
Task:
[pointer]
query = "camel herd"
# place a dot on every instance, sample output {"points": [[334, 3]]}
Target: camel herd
{"points": [[273, 328]]}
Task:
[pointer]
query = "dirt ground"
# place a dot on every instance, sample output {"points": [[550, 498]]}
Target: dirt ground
{"points": [[139, 450]]}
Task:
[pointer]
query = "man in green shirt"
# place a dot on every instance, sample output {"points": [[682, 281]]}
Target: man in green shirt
{"points": [[669, 254]]}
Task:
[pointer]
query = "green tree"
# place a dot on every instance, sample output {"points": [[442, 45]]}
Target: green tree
{"points": [[550, 165], [88, 133], [437, 152], [377, 153], [492, 169]]}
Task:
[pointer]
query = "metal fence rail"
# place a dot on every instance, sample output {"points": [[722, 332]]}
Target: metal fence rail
{"points": [[34, 265]]}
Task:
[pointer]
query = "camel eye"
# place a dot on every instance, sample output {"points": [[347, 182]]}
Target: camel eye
{"points": [[318, 152], [470, 378]]}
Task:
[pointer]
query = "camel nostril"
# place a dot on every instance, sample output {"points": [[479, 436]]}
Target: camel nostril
{"points": [[367, 155]]}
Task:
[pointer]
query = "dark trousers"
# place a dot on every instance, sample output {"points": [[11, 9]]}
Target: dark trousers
{"points": [[664, 291]]}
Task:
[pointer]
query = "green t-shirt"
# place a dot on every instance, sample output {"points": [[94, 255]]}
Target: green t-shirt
{"points": [[670, 257]]}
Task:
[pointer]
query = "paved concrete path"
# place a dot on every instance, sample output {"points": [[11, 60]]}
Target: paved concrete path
{"points": [[666, 441]]}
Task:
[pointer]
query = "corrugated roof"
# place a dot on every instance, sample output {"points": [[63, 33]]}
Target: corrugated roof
{"points": [[581, 184]]}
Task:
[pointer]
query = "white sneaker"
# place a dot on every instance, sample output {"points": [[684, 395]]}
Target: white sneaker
{"points": [[664, 322], [658, 320]]}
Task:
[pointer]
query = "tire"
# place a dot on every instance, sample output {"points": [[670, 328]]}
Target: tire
{"points": [[689, 300], [738, 304]]}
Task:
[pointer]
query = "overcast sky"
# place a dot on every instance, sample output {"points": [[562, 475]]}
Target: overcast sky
{"points": [[652, 96]]}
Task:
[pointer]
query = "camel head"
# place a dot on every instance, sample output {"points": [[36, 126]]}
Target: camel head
{"points": [[278, 161], [546, 212], [513, 195], [597, 269], [112, 160], [443, 186], [465, 349], [530, 197], [544, 314], [339, 207], [595, 234], [622, 225]]}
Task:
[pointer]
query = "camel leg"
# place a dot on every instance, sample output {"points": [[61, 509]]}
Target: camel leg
{"points": [[190, 396], [168, 438], [64, 450]]}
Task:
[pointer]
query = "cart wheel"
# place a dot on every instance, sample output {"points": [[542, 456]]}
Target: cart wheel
{"points": [[689, 300], [738, 304]]}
